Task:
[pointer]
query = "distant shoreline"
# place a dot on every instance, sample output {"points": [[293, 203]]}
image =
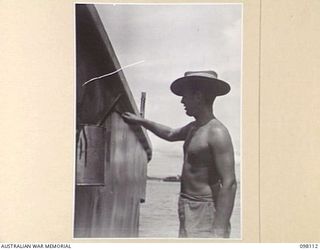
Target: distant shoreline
{"points": [[166, 179]]}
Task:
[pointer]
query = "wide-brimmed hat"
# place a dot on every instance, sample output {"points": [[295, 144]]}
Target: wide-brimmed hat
{"points": [[205, 80]]}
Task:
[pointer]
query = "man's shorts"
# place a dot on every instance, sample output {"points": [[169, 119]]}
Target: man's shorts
{"points": [[196, 216]]}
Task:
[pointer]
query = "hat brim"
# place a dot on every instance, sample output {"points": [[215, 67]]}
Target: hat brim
{"points": [[210, 85]]}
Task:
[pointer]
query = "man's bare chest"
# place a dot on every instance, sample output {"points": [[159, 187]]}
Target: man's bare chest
{"points": [[197, 149]]}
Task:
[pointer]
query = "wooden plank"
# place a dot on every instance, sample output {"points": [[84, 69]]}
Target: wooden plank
{"points": [[90, 155]]}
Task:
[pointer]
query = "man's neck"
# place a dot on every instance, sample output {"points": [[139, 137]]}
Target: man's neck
{"points": [[204, 116]]}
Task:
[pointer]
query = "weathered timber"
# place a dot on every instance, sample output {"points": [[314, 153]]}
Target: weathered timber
{"points": [[112, 156]]}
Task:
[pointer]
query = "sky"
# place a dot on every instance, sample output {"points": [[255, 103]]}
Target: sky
{"points": [[170, 40]]}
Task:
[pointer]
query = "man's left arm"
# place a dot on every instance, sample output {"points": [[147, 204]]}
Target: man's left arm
{"points": [[222, 150]]}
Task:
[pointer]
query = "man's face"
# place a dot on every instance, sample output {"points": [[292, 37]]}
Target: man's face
{"points": [[191, 102]]}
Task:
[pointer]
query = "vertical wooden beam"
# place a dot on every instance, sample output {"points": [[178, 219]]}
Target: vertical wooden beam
{"points": [[142, 104]]}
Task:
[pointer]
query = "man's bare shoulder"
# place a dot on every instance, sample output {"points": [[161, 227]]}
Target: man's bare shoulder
{"points": [[216, 127], [218, 133]]}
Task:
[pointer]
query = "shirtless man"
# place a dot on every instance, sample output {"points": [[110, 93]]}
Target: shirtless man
{"points": [[208, 183]]}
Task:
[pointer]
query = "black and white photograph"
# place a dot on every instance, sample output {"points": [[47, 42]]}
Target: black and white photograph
{"points": [[133, 124], [158, 121]]}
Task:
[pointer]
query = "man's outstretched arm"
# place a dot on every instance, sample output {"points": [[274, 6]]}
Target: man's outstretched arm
{"points": [[222, 151], [160, 130]]}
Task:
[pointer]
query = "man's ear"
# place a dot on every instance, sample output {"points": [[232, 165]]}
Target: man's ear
{"points": [[198, 95]]}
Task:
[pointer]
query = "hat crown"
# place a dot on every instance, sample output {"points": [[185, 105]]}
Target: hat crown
{"points": [[207, 73]]}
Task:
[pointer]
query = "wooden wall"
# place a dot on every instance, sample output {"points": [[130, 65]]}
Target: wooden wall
{"points": [[112, 158], [112, 210]]}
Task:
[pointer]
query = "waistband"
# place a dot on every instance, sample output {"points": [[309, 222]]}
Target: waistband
{"points": [[204, 198], [201, 198]]}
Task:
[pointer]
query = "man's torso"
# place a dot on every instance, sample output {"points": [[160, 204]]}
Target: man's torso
{"points": [[199, 174]]}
